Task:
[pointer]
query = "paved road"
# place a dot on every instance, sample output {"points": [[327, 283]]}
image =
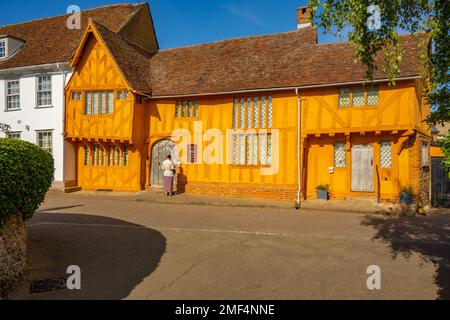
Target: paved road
{"points": [[136, 250]]}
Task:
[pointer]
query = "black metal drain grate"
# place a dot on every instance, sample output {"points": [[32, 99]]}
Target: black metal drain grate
{"points": [[48, 285]]}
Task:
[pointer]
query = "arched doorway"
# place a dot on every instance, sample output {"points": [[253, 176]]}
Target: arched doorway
{"points": [[363, 176], [160, 151]]}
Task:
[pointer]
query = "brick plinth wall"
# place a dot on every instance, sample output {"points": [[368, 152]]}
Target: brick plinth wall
{"points": [[13, 253], [420, 175], [244, 191]]}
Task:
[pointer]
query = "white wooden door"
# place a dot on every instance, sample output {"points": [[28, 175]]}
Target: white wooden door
{"points": [[362, 168]]}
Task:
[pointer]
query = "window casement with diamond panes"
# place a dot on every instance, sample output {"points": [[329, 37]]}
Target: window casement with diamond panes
{"points": [[186, 109], [114, 156], [87, 155], [340, 155], [13, 95], [13, 135], [125, 156], [45, 140], [386, 154], [99, 155], [344, 97], [76, 95], [44, 91], [373, 96], [192, 153], [98, 102], [251, 115], [359, 96]]}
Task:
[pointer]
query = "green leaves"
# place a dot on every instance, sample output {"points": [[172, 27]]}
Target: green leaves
{"points": [[413, 16], [26, 176], [445, 145], [4, 127]]}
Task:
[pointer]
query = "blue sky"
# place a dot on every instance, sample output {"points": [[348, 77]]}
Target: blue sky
{"points": [[182, 22]]}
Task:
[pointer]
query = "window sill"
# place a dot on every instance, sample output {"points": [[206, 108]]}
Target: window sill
{"points": [[44, 107], [361, 107], [13, 110], [250, 166]]}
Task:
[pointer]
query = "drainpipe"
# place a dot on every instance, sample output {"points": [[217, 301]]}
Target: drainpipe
{"points": [[64, 78], [299, 148]]}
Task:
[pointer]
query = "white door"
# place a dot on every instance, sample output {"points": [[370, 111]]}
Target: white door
{"points": [[362, 168]]}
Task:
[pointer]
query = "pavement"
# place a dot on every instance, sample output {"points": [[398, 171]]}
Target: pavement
{"points": [[132, 247]]}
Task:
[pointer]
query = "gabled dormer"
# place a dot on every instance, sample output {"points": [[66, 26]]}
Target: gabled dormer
{"points": [[9, 46]]}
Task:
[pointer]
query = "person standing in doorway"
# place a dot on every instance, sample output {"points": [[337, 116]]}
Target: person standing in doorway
{"points": [[169, 175]]}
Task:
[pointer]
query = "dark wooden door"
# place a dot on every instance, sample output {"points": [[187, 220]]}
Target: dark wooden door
{"points": [[440, 184]]}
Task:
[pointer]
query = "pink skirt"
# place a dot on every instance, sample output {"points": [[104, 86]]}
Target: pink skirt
{"points": [[168, 184]]}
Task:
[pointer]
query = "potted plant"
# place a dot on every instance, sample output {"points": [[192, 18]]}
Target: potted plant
{"points": [[323, 191], [406, 196]]}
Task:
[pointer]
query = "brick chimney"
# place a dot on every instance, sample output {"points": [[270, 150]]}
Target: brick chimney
{"points": [[304, 17]]}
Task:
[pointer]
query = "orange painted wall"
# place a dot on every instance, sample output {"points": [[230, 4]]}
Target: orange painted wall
{"points": [[217, 113]]}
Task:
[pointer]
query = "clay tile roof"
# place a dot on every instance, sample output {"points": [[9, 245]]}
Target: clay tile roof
{"points": [[263, 62], [49, 40], [131, 59]]}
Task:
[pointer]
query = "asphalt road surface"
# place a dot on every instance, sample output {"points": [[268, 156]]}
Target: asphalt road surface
{"points": [[136, 250]]}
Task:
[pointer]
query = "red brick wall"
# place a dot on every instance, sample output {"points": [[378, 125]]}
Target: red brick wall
{"points": [[244, 191], [419, 176]]}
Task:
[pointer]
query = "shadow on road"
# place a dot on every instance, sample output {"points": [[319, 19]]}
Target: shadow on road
{"points": [[114, 256], [428, 236]]}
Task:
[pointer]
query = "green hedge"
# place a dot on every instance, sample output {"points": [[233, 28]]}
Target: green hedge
{"points": [[26, 174]]}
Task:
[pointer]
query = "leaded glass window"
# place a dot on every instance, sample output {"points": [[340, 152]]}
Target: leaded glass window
{"points": [[270, 117], [125, 156], [256, 115], [196, 109], [269, 149], [242, 149], [344, 97], [87, 103], [358, 96], [254, 146], [340, 155], [95, 102], [249, 113], [263, 149], [248, 149], [372, 96], [191, 109], [110, 95], [103, 102], [235, 150], [386, 154], [86, 155], [242, 116], [235, 114], [263, 113], [178, 110], [186, 109]]}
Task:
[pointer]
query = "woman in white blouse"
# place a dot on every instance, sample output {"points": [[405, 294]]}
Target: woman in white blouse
{"points": [[169, 174]]}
